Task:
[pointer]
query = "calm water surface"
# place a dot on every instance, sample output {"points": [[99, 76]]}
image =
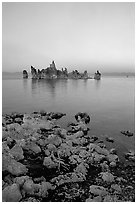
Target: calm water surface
{"points": [[110, 102]]}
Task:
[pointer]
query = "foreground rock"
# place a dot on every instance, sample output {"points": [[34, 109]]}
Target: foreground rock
{"points": [[43, 162]]}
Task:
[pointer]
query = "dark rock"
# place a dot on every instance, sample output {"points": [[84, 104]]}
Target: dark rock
{"points": [[97, 75], [25, 74], [82, 117], [109, 139], [127, 133]]}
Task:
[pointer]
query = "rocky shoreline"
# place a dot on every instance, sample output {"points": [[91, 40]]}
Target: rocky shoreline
{"points": [[43, 162]]}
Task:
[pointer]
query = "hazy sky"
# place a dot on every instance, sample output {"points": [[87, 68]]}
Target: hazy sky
{"points": [[76, 35]]}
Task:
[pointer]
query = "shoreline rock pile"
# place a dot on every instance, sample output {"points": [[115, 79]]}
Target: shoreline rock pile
{"points": [[44, 162]]}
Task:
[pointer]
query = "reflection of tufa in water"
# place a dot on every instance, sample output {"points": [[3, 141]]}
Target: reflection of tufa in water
{"points": [[97, 75]]}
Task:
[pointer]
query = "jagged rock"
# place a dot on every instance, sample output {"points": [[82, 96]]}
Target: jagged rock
{"points": [[17, 152], [97, 75], [127, 133], [13, 126], [112, 158], [34, 73], [107, 177], [130, 155], [32, 147], [97, 157], [11, 194], [104, 166], [98, 190], [49, 163], [113, 151], [110, 139], [54, 139], [25, 74], [81, 168], [12, 166], [113, 164], [94, 147], [116, 188], [21, 180], [18, 120], [37, 123], [57, 115], [45, 186], [111, 198], [82, 117], [121, 179]]}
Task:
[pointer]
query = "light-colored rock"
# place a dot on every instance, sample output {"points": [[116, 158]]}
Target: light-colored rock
{"points": [[21, 180], [12, 166], [113, 164], [95, 199], [107, 177], [98, 190], [112, 158], [29, 187], [116, 188], [17, 152], [49, 163], [11, 194]]}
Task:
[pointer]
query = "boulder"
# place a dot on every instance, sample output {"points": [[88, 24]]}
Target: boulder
{"points": [[12, 166], [110, 139], [21, 180], [113, 151], [107, 177], [116, 188], [82, 117], [32, 147], [29, 187], [49, 163], [11, 194], [45, 186], [130, 155], [112, 158], [17, 152], [98, 190]]}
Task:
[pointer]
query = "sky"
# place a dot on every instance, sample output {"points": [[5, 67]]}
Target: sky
{"points": [[82, 36]]}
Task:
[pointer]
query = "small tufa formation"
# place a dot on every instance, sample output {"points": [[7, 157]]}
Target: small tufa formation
{"points": [[25, 74], [97, 75], [34, 73]]}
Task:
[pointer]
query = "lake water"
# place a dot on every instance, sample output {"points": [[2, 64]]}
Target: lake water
{"points": [[110, 102]]}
